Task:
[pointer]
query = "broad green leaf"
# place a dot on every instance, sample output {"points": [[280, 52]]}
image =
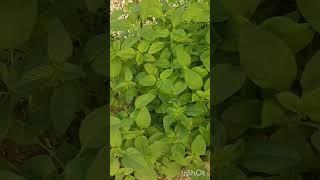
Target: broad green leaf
{"points": [[64, 103], [127, 53], [288, 100], [143, 46], [143, 119], [142, 168], [93, 129], [60, 47], [115, 68], [18, 18], [297, 36], [273, 114], [114, 164], [198, 146], [309, 9], [269, 158], [151, 69], [228, 80], [129, 42], [147, 33], [139, 59], [264, 56], [179, 87], [310, 104], [150, 8], [98, 167], [166, 74], [193, 79], [141, 143], [144, 100], [182, 56], [115, 137], [310, 76], [205, 58], [148, 58], [148, 80], [156, 47], [128, 74], [197, 12]]}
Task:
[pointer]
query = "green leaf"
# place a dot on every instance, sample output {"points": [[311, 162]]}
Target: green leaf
{"points": [[143, 46], [166, 74], [264, 56], [269, 158], [115, 137], [114, 164], [198, 146], [156, 47], [309, 10], [310, 104], [98, 167], [143, 119], [115, 68], [93, 129], [228, 80], [127, 53], [60, 46], [18, 18], [64, 103], [310, 76], [148, 58], [147, 33], [142, 168], [150, 68], [150, 8], [193, 79], [197, 12], [179, 87], [10, 175], [139, 59], [144, 100], [273, 114], [297, 36], [148, 80], [288, 100], [182, 56]]}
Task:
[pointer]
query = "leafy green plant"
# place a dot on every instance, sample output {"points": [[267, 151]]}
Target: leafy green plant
{"points": [[266, 89], [52, 90], [160, 89]]}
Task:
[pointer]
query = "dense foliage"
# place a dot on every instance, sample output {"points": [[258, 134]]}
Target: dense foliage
{"points": [[160, 89], [52, 90], [266, 89]]}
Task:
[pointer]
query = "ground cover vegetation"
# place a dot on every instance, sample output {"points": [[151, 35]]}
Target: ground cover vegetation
{"points": [[160, 89], [53, 90], [266, 89]]}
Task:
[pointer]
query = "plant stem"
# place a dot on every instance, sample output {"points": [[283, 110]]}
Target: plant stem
{"points": [[51, 153]]}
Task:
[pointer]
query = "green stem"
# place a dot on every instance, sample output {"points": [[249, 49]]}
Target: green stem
{"points": [[51, 153]]}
